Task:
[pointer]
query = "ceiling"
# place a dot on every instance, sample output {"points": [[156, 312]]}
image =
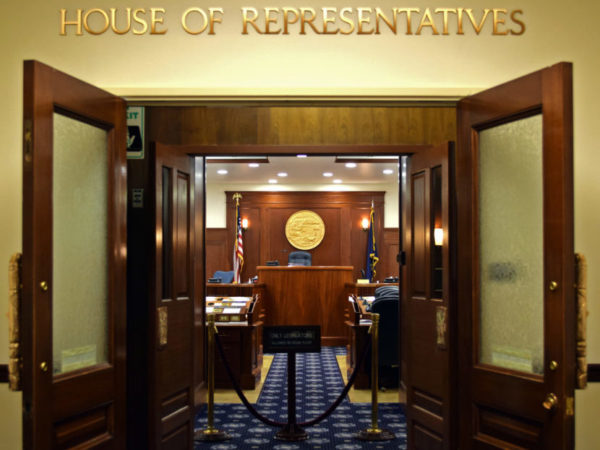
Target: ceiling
{"points": [[306, 170]]}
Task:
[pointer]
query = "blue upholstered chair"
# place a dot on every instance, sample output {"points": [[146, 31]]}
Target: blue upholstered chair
{"points": [[387, 299], [300, 258], [224, 276]]}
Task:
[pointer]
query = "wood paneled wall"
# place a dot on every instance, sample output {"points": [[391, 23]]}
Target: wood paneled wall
{"points": [[389, 248], [300, 125], [344, 244]]}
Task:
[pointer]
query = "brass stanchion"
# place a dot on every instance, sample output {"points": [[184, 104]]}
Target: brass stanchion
{"points": [[210, 433], [374, 433]]}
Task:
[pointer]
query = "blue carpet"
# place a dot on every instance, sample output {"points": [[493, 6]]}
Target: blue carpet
{"points": [[318, 383]]}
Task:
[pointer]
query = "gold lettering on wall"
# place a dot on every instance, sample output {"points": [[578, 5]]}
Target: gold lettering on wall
{"points": [[364, 21]]}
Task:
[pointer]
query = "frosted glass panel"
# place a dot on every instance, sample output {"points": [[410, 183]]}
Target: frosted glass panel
{"points": [[511, 245], [80, 280]]}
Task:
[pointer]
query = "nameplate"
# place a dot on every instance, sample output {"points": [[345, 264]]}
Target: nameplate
{"points": [[292, 338]]}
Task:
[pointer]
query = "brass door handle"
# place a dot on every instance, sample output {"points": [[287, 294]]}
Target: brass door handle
{"points": [[551, 402]]}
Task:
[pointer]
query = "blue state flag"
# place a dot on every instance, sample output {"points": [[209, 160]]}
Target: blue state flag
{"points": [[372, 257]]}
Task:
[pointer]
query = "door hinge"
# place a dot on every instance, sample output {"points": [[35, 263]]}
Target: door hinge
{"points": [[570, 406], [15, 290], [28, 140]]}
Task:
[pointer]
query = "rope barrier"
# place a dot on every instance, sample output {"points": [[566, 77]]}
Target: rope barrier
{"points": [[274, 423]]}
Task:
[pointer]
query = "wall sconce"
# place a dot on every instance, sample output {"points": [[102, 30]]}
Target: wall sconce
{"points": [[365, 224], [244, 223], [438, 236]]}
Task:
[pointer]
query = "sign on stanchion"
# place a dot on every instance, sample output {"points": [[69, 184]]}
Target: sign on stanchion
{"points": [[210, 433], [374, 433], [292, 339]]}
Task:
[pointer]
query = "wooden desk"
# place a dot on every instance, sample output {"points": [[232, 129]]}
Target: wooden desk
{"points": [[307, 295], [233, 290], [358, 336], [365, 289], [242, 345]]}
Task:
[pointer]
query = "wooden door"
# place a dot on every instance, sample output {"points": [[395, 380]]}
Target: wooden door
{"points": [[427, 300], [172, 314], [516, 264], [74, 236]]}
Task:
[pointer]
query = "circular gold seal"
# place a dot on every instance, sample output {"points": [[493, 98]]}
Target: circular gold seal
{"points": [[305, 229]]}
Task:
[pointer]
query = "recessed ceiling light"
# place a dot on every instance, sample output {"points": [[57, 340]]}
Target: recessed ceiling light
{"points": [[282, 174], [222, 172], [337, 181], [253, 165], [301, 156], [327, 174], [388, 171], [273, 181], [350, 165]]}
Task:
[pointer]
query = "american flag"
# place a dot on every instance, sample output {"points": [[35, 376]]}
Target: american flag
{"points": [[238, 248]]}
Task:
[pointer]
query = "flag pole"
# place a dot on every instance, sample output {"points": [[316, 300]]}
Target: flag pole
{"points": [[237, 259]]}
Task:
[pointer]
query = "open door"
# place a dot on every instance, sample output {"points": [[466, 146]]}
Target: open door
{"points": [[74, 241], [427, 299], [173, 337], [516, 264]]}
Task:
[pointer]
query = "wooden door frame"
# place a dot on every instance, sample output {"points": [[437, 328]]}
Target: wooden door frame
{"points": [[318, 150]]}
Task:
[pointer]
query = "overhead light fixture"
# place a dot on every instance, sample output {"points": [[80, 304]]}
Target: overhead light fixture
{"points": [[388, 171], [327, 174], [273, 181], [301, 156], [337, 181], [282, 174], [254, 165], [350, 165], [222, 172]]}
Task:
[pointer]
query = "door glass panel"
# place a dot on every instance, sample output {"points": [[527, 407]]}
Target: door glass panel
{"points": [[511, 246], [80, 257]]}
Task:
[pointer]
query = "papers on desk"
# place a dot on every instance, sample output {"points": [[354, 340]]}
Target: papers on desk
{"points": [[209, 309], [365, 322], [368, 299], [232, 310]]}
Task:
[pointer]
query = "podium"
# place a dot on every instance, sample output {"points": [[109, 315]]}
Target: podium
{"points": [[307, 295]]}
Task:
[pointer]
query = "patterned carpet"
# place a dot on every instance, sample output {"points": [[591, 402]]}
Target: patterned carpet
{"points": [[318, 383]]}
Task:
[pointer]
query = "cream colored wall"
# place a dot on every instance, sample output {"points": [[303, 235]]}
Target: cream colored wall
{"points": [[216, 208], [231, 64]]}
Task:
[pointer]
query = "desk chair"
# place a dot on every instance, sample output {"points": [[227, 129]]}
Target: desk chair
{"points": [[224, 276], [300, 258]]}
